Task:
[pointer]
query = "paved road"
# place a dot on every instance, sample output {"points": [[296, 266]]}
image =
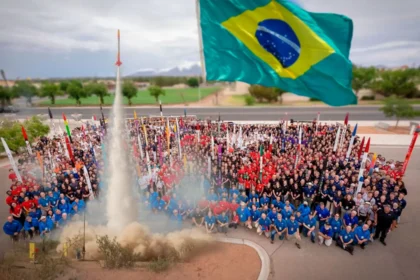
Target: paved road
{"points": [[360, 113]]}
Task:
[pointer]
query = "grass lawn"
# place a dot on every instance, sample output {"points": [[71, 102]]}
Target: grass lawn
{"points": [[172, 96]]}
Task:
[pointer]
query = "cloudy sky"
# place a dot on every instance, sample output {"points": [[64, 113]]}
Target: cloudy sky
{"points": [[46, 38]]}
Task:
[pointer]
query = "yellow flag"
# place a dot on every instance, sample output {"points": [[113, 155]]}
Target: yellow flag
{"points": [[32, 250], [135, 115], [65, 249]]}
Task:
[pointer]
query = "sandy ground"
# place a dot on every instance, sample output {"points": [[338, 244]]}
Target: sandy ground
{"points": [[221, 262]]}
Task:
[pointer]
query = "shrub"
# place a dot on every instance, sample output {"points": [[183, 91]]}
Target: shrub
{"points": [[114, 254], [160, 265], [314, 99], [249, 100], [366, 97]]}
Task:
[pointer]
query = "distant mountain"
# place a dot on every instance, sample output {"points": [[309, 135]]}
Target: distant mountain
{"points": [[193, 70]]}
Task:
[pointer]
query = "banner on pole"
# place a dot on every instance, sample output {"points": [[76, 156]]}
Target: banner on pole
{"points": [[12, 161]]}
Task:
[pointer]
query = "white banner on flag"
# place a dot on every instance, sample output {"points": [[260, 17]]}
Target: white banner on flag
{"points": [[86, 174], [12, 161]]}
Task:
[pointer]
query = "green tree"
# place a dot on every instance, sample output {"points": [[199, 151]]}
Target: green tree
{"points": [[50, 90], [193, 82], [76, 91], [398, 82], [262, 93], [98, 89], [156, 91], [64, 85], [399, 108], [129, 90], [6, 96], [12, 132], [25, 89], [363, 78]]}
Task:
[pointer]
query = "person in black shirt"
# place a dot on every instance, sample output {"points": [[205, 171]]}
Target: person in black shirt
{"points": [[383, 220], [197, 218]]}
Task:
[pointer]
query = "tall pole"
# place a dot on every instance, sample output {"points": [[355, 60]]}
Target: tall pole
{"points": [[362, 168], [410, 149], [84, 234], [353, 136], [200, 41]]}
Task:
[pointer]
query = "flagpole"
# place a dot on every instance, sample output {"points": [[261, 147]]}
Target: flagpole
{"points": [[200, 42], [337, 137], [410, 149], [353, 136], [362, 168], [11, 159]]}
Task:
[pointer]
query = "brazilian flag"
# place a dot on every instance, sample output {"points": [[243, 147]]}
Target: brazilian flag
{"points": [[275, 43]]}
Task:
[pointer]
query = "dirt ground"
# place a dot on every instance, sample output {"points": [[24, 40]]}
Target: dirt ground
{"points": [[221, 262], [390, 130]]}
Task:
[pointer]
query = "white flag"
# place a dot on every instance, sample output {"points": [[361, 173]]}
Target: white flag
{"points": [[86, 174]]}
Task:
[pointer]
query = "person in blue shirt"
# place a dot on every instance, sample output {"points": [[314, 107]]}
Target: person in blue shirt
{"points": [[277, 203], [29, 227], [264, 200], [323, 214], [351, 220], [12, 228], [153, 197], [253, 195], [44, 227], [53, 200], [63, 206], [309, 193], [325, 234], [222, 192], [264, 224], [279, 227], [361, 236], [255, 216], [243, 197], [44, 202], [272, 215], [210, 222], [63, 221], [345, 239], [336, 225], [254, 201], [233, 191], [299, 218], [222, 223], [158, 205], [287, 212], [288, 204], [176, 219], [309, 224], [304, 209], [80, 204], [212, 196], [293, 231], [244, 215]]}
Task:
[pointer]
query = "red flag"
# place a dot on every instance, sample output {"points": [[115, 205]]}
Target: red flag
{"points": [[69, 148], [346, 120], [410, 150], [25, 136], [64, 117], [94, 117], [367, 146], [361, 148]]}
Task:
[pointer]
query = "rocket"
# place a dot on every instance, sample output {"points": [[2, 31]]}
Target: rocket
{"points": [[118, 63]]}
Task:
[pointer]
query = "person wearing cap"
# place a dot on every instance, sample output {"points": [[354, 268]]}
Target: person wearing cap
{"points": [[309, 225], [362, 235], [364, 212], [325, 234], [345, 240], [44, 228], [383, 220], [293, 231], [279, 227]]}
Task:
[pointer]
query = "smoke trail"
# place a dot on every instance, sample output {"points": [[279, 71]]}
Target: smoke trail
{"points": [[121, 206]]}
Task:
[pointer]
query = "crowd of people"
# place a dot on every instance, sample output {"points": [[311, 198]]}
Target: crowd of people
{"points": [[221, 176]]}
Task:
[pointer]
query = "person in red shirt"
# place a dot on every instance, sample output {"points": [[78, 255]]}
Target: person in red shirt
{"points": [[12, 175], [235, 220], [16, 212], [9, 198]]}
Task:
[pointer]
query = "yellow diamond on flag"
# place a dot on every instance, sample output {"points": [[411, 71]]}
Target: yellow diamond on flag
{"points": [[245, 27]]}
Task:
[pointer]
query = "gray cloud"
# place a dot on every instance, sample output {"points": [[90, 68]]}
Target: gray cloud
{"points": [[163, 33]]}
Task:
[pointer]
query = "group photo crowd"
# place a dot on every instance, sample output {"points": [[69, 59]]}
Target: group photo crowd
{"points": [[285, 181]]}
